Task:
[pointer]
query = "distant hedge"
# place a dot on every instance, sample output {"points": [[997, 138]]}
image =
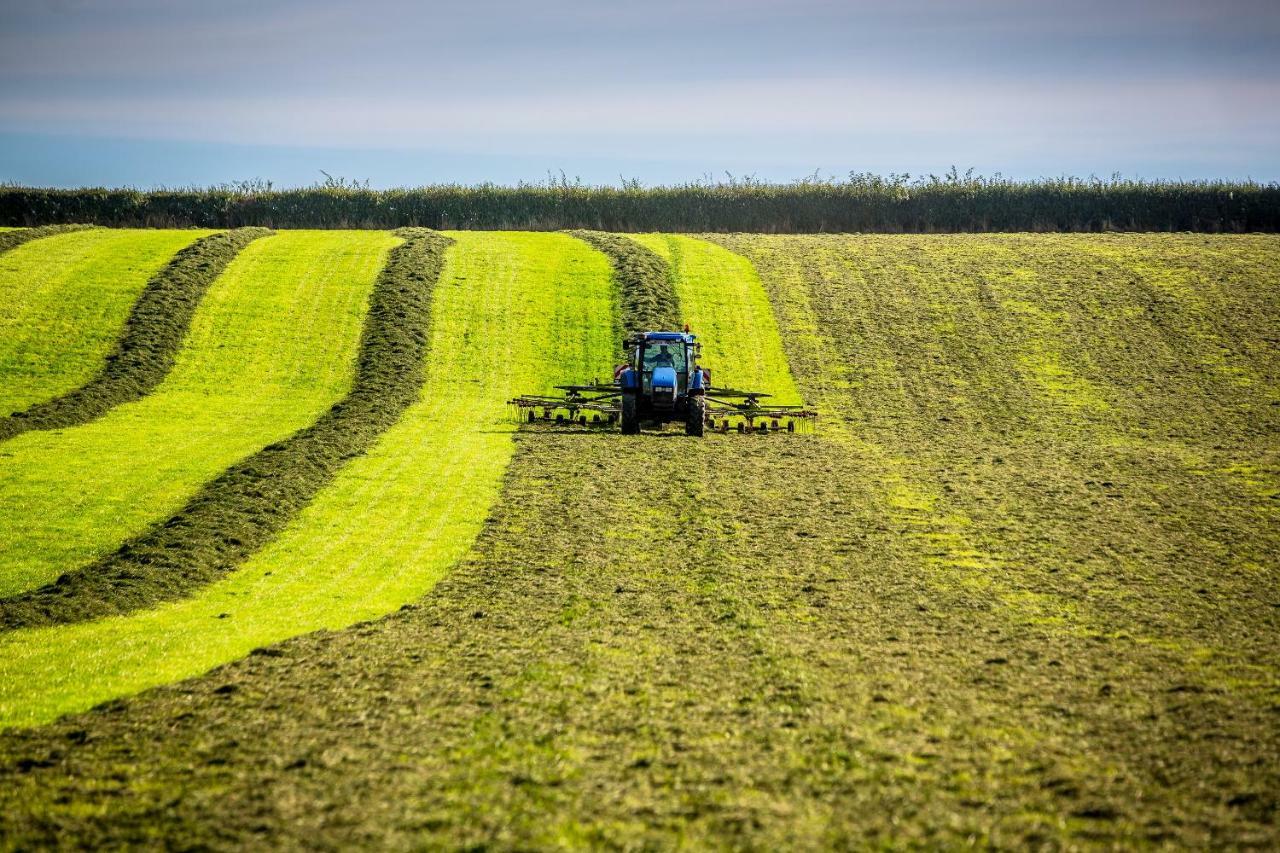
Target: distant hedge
{"points": [[860, 203]]}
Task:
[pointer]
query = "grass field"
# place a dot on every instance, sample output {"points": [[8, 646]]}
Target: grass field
{"points": [[63, 301], [271, 347], [146, 343], [1018, 590], [394, 520]]}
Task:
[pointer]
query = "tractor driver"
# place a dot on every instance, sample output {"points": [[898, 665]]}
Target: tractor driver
{"points": [[663, 358]]}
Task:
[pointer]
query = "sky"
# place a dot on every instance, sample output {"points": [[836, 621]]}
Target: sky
{"points": [[400, 93]]}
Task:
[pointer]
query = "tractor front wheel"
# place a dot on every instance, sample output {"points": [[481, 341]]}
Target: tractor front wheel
{"points": [[630, 415], [696, 419]]}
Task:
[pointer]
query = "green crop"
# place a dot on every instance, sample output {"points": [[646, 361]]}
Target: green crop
{"points": [[512, 313], [63, 302], [271, 347]]}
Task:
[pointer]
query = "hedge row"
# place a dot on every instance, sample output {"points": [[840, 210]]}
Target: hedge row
{"points": [[863, 203]]}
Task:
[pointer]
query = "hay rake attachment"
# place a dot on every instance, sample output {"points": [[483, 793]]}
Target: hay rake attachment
{"points": [[599, 404], [662, 382]]}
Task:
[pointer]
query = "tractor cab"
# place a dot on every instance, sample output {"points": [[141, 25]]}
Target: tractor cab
{"points": [[662, 361]]}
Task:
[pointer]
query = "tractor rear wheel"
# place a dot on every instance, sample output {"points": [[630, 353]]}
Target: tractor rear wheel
{"points": [[630, 415], [696, 418]]}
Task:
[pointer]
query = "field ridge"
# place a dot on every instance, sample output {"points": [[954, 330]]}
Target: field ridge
{"points": [[234, 514], [149, 341]]}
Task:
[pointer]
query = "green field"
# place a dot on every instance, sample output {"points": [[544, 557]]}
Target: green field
{"points": [[63, 300], [394, 521], [1019, 588], [271, 347]]}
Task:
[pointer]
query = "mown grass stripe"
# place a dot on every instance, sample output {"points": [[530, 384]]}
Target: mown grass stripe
{"points": [[511, 313], [64, 300], [646, 291], [149, 342], [243, 508], [12, 238], [272, 346], [726, 306]]}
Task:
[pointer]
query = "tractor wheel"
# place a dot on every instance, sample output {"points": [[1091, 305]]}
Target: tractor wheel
{"points": [[630, 415], [696, 418]]}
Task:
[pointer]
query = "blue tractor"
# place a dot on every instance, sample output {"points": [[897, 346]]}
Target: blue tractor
{"points": [[661, 382]]}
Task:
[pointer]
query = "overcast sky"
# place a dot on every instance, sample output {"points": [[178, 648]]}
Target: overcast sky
{"points": [[148, 92]]}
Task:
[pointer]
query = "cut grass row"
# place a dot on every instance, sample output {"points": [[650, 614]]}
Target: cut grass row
{"points": [[236, 513], [149, 341], [643, 281], [11, 238], [725, 305], [271, 347], [64, 299], [511, 313]]}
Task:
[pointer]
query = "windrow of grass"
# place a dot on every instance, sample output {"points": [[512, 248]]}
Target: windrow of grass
{"points": [[643, 281], [725, 305], [245, 506], [11, 238], [64, 299], [511, 313], [271, 347], [149, 342]]}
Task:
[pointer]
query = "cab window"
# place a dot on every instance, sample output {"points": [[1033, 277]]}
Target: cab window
{"points": [[661, 354]]}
